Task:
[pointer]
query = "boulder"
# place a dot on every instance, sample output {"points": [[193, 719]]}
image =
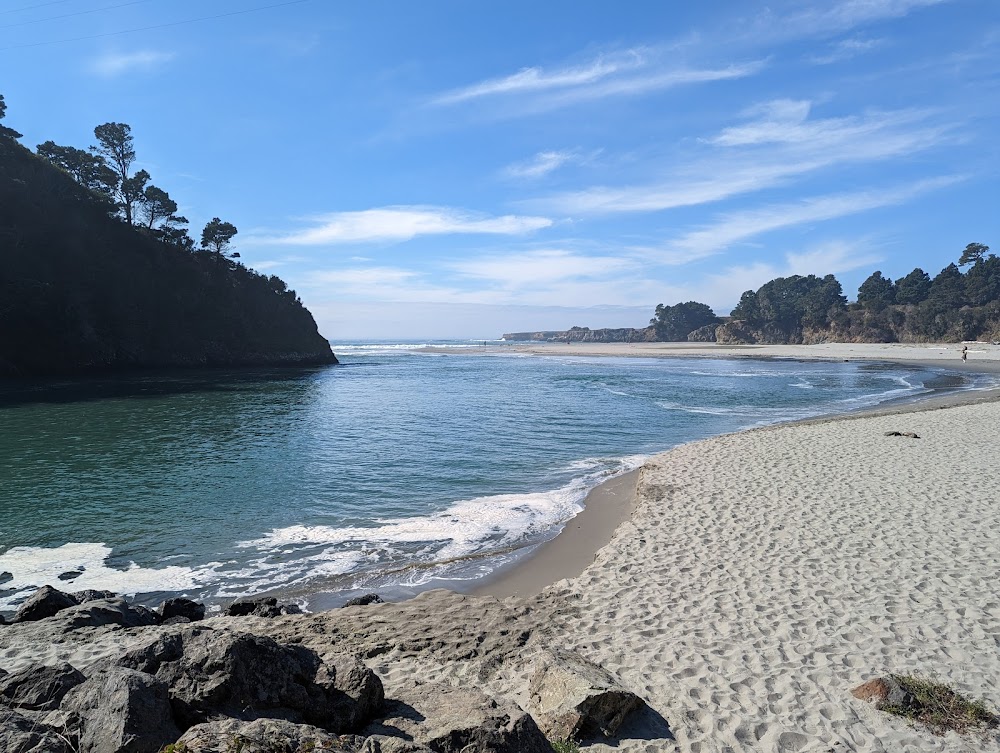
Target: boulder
{"points": [[18, 734], [572, 697], [884, 691], [364, 601], [192, 610], [266, 607], [214, 673], [107, 612], [456, 720], [261, 736], [121, 710], [704, 334], [384, 744], [40, 688], [91, 594], [45, 602], [361, 696], [176, 620], [6, 577]]}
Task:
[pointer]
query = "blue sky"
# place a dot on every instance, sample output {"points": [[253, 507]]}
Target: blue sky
{"points": [[456, 169]]}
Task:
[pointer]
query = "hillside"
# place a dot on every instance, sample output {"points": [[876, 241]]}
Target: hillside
{"points": [[82, 291]]}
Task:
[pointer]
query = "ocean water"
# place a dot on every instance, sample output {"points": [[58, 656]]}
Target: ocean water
{"points": [[395, 471]]}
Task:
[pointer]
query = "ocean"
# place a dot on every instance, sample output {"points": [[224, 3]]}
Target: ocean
{"points": [[396, 471]]}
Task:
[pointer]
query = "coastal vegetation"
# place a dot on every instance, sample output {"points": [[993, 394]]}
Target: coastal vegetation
{"points": [[938, 707], [99, 271], [802, 309]]}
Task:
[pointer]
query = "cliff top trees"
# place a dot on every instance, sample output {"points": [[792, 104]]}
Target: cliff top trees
{"points": [[217, 235], [913, 288], [6, 132], [674, 323], [973, 253], [877, 292]]}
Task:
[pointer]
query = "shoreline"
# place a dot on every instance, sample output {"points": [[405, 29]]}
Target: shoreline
{"points": [[613, 502]]}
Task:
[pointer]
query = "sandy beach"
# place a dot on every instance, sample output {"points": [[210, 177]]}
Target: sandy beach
{"points": [[753, 581]]}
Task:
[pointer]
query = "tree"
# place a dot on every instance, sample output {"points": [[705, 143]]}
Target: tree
{"points": [[747, 309], [913, 288], [973, 254], [6, 132], [115, 145], [948, 288], [89, 170], [674, 323], [877, 292], [217, 235], [823, 302], [156, 207], [131, 195]]}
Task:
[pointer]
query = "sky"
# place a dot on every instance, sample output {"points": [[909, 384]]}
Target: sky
{"points": [[462, 170]]}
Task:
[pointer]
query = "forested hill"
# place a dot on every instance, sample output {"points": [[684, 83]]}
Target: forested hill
{"points": [[81, 290]]}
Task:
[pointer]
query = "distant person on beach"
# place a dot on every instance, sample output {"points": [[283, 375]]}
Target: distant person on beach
{"points": [[965, 352]]}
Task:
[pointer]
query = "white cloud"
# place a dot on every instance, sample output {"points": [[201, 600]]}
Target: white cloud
{"points": [[401, 223], [117, 63], [739, 226], [630, 72], [829, 18], [779, 143], [537, 79], [542, 267], [540, 165], [846, 49]]}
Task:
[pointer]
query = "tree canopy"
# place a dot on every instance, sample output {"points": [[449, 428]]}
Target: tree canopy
{"points": [[217, 235]]}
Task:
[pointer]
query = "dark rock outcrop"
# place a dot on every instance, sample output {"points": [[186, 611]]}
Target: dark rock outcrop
{"points": [[572, 697], [191, 610], [456, 720], [264, 607], [19, 734], [45, 602], [121, 711], [220, 673], [704, 334], [106, 612], [39, 688], [364, 601], [261, 736]]}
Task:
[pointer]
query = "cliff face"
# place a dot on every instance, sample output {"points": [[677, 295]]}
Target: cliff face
{"points": [[585, 335], [82, 291]]}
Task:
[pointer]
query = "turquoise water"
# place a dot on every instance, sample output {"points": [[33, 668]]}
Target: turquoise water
{"points": [[395, 470]]}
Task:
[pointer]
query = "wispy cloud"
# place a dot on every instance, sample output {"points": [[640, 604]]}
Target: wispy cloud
{"points": [[778, 143], [848, 14], [538, 79], [629, 72], [402, 223], [113, 64], [735, 227], [544, 163], [540, 267], [846, 49]]}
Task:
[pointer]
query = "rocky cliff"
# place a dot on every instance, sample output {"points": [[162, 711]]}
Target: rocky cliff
{"points": [[82, 291], [586, 335]]}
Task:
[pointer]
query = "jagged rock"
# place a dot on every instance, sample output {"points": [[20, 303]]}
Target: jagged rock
{"points": [[121, 710], [45, 602], [267, 607], [6, 576], [457, 720], [18, 734], [384, 744], [909, 434], [884, 691], [107, 612], [90, 594], [70, 575], [3, 620], [243, 676], [176, 620], [704, 334], [573, 697], [361, 695], [40, 688], [192, 610], [364, 601], [261, 736]]}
